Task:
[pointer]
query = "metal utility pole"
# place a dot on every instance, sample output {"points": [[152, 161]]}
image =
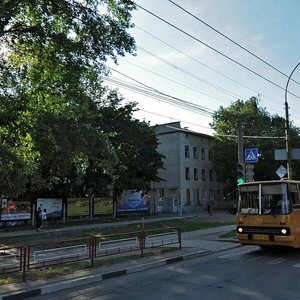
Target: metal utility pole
{"points": [[241, 176], [287, 141], [240, 142], [287, 128]]}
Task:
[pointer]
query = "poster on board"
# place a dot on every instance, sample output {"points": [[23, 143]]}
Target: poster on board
{"points": [[12, 210], [132, 201], [53, 206], [103, 205], [77, 207]]}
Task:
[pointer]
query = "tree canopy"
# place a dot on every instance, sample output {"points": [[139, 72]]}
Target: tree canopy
{"points": [[260, 130], [57, 134]]}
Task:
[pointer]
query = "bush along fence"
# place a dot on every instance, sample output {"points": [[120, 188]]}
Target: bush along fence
{"points": [[42, 255]]}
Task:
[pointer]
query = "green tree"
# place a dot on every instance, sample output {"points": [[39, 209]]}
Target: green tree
{"points": [[134, 142], [50, 89], [260, 130]]}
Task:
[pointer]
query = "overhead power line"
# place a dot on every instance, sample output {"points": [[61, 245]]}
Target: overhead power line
{"points": [[199, 62], [212, 69], [135, 89], [231, 40], [171, 118], [217, 51], [252, 136], [208, 83], [176, 82], [154, 93]]}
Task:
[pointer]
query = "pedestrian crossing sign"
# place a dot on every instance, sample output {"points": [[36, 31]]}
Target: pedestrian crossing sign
{"points": [[251, 155]]}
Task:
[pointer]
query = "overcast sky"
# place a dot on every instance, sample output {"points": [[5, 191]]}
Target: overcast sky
{"points": [[172, 59]]}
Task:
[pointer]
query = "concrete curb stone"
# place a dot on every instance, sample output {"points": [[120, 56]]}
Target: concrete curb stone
{"points": [[195, 244], [55, 287]]}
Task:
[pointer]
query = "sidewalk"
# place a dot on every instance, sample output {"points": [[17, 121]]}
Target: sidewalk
{"points": [[218, 216], [194, 244]]}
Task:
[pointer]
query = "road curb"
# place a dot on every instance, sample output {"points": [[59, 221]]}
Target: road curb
{"points": [[89, 279]]}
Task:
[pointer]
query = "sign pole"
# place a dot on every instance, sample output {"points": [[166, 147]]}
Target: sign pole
{"points": [[287, 127]]}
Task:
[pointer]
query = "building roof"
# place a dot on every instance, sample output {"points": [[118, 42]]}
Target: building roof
{"points": [[176, 127]]}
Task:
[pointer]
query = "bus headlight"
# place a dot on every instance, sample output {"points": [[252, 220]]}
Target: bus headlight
{"points": [[283, 231], [240, 229]]}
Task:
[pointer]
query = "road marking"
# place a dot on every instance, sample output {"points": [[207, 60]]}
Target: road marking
{"points": [[276, 261], [236, 254], [255, 258], [297, 265]]}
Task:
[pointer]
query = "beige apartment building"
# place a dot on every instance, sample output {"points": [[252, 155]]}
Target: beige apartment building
{"points": [[189, 179]]}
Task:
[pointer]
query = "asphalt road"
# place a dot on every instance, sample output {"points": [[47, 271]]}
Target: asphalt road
{"points": [[239, 273]]}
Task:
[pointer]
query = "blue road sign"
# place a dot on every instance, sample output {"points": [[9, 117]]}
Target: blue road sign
{"points": [[251, 155]]}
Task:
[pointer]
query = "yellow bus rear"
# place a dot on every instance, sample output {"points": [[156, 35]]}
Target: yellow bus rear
{"points": [[269, 213]]}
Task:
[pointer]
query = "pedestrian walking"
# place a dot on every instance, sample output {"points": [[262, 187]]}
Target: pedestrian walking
{"points": [[37, 216], [180, 210], [44, 219], [209, 209]]}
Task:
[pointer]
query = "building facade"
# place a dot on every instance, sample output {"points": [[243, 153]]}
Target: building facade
{"points": [[189, 180]]}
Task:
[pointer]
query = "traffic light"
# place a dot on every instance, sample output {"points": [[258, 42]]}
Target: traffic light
{"points": [[240, 173], [249, 172]]}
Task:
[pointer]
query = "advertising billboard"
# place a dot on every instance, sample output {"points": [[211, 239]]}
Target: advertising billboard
{"points": [[132, 201], [53, 206], [78, 207], [103, 205], [12, 210]]}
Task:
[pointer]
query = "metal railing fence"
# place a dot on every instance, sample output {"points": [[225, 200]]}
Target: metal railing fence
{"points": [[41, 255]]}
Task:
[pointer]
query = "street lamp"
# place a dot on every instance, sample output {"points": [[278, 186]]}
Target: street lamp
{"points": [[287, 127]]}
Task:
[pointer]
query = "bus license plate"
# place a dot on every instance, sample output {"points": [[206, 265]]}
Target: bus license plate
{"points": [[260, 237]]}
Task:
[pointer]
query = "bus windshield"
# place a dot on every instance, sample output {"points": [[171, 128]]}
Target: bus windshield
{"points": [[265, 199]]}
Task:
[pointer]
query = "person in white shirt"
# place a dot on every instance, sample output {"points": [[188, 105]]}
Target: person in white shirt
{"points": [[44, 219]]}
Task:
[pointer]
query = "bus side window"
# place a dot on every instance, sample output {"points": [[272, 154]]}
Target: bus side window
{"points": [[294, 195]]}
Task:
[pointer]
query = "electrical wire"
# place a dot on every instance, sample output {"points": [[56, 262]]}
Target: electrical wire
{"points": [[191, 74], [179, 103], [212, 69], [215, 50], [197, 61], [153, 93], [175, 120], [146, 90], [176, 82], [231, 40]]}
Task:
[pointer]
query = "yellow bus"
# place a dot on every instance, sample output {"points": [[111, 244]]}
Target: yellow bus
{"points": [[269, 213]]}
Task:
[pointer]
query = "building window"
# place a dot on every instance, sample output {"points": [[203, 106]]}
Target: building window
{"points": [[218, 176], [203, 174], [187, 174], [210, 154], [203, 194], [198, 197], [161, 193], [195, 151], [211, 177], [218, 195], [202, 153], [211, 195], [188, 197], [187, 151], [196, 177]]}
